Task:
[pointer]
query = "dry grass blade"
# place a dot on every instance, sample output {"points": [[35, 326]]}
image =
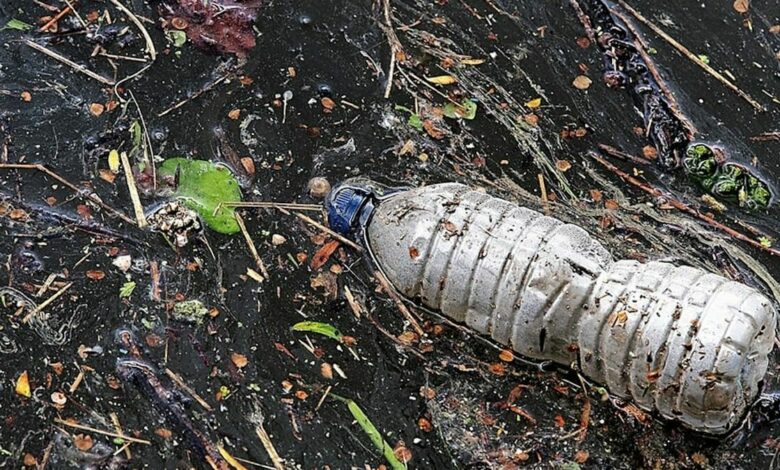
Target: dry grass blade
{"points": [[100, 431], [69, 63]]}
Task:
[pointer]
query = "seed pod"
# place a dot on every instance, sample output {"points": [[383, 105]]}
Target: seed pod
{"points": [[691, 345]]}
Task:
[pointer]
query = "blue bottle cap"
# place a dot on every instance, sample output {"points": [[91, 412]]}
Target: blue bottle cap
{"points": [[349, 208]]}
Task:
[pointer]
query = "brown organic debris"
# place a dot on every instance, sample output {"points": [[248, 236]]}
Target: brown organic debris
{"points": [[224, 26]]}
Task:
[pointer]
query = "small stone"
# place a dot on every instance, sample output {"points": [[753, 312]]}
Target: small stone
{"points": [[277, 239]]}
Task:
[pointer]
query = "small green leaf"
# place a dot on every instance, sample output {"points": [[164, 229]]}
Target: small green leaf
{"points": [[415, 121], [375, 436], [136, 134], [704, 59], [320, 328], [178, 38], [765, 241], [18, 25], [468, 111], [126, 290], [414, 118], [203, 186], [118, 441]]}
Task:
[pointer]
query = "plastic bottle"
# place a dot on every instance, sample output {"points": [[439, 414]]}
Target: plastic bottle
{"points": [[687, 344]]}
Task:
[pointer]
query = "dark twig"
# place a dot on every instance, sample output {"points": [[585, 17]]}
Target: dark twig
{"points": [[681, 206], [80, 191]]}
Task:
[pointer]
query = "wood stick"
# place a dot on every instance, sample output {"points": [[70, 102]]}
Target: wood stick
{"points": [[140, 217], [69, 63], [180, 382], [149, 43], [399, 303], [693, 57], [265, 439], [251, 244], [655, 192], [118, 429], [330, 232], [55, 19], [46, 303], [90, 196], [543, 189], [100, 431]]}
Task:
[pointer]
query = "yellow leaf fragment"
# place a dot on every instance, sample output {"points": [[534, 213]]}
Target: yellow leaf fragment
{"points": [[472, 61], [230, 459], [113, 161], [442, 80], [23, 385], [534, 103]]}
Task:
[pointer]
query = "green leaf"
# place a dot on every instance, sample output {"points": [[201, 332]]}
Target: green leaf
{"points": [[414, 118], [415, 121], [373, 434], [126, 290], [765, 241], [704, 59], [468, 111], [18, 25], [136, 134], [203, 186], [320, 328], [178, 38]]}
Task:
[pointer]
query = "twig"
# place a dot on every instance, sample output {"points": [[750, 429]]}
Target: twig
{"points": [[585, 20], [46, 303], [399, 303], [262, 434], [118, 428], [330, 232], [180, 382], [674, 106], [55, 19], [149, 44], [324, 396], [688, 54], [585, 416], [655, 192], [766, 136], [195, 95], [543, 190], [100, 431], [623, 155], [271, 205], [69, 63], [140, 217], [251, 244], [73, 187], [395, 46], [75, 12]]}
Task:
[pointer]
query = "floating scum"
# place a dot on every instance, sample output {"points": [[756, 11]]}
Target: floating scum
{"points": [[690, 345]]}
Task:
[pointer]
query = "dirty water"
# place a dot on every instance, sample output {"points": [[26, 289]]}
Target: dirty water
{"points": [[341, 52]]}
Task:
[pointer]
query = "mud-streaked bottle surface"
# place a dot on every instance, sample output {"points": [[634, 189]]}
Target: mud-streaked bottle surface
{"points": [[688, 344]]}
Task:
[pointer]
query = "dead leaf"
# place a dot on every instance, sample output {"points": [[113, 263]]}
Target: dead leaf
{"points": [[559, 421], [239, 360], [432, 130], [424, 425], [413, 252], [95, 274], [581, 82], [83, 442], [442, 80], [581, 456], [506, 355], [407, 148], [583, 42], [327, 103], [563, 165], [472, 61], [741, 6], [534, 103], [497, 368], [18, 214], [323, 255], [106, 175], [26, 96], [611, 204], [402, 452], [326, 370], [23, 385], [327, 281], [96, 109], [248, 164], [164, 433], [596, 195], [650, 152], [234, 114]]}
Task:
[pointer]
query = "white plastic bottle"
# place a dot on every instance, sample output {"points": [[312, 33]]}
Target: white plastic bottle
{"points": [[688, 344]]}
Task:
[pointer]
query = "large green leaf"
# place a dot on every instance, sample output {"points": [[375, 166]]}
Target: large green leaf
{"points": [[203, 186]]}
